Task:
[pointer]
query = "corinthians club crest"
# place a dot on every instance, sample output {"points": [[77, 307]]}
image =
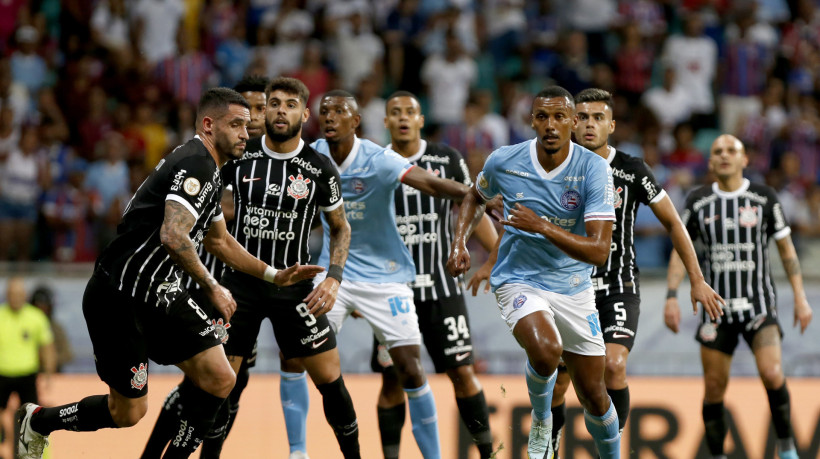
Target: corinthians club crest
{"points": [[298, 187], [618, 200], [140, 377], [221, 329], [747, 216]]}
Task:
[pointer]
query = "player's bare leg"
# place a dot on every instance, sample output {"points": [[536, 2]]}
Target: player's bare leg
{"points": [[766, 346], [601, 419], [539, 337], [716, 366], [422, 404]]}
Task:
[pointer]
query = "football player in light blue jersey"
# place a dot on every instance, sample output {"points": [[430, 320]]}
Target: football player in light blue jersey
{"points": [[558, 205], [379, 266]]}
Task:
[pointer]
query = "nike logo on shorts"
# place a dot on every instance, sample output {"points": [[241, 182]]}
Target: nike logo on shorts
{"points": [[245, 179], [317, 344], [460, 357], [619, 335]]}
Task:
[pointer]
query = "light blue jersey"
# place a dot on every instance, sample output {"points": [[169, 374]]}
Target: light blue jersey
{"points": [[578, 190], [370, 175]]}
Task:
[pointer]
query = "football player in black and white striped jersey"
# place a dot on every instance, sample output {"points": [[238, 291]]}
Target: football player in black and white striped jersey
{"points": [[735, 219], [135, 306]]}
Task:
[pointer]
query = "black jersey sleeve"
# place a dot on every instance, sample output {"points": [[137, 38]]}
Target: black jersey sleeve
{"points": [[191, 183], [650, 189], [689, 216], [458, 167], [330, 189], [778, 226], [229, 174]]}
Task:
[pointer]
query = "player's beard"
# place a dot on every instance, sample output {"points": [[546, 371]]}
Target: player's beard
{"points": [[224, 146], [290, 132]]}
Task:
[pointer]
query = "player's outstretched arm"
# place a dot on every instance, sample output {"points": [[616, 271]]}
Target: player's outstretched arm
{"points": [[220, 243], [174, 236], [469, 214], [434, 186], [674, 276], [483, 273], [592, 248], [322, 298], [802, 310], [700, 291]]}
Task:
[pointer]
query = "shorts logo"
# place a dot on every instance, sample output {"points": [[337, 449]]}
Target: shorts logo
{"points": [[748, 217], [298, 188], [274, 190], [570, 200], [519, 301], [594, 324], [460, 357], [620, 335], [191, 186], [140, 377], [221, 329], [708, 332], [316, 344], [359, 186]]}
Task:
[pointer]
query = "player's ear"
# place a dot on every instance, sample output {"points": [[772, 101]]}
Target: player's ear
{"points": [[532, 121], [422, 120], [305, 115], [612, 126], [357, 119], [207, 124]]}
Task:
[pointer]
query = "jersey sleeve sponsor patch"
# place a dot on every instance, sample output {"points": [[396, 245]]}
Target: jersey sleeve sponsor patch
{"points": [[193, 183]]}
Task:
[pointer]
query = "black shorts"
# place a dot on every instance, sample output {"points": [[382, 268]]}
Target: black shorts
{"points": [[298, 333], [445, 329], [725, 336], [24, 386], [619, 314], [125, 333]]}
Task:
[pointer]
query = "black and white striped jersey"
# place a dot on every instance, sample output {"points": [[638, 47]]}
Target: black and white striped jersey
{"points": [[634, 184], [425, 223], [277, 196], [214, 265], [135, 261], [735, 227]]}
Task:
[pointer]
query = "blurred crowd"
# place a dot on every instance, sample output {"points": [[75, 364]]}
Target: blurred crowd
{"points": [[93, 93]]}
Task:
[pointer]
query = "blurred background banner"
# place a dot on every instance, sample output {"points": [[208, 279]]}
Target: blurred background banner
{"points": [[666, 409], [657, 351]]}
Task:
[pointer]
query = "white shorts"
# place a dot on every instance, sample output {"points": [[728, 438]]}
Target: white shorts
{"points": [[387, 307], [575, 316]]}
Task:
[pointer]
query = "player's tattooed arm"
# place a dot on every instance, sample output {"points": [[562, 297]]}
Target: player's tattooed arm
{"points": [[174, 235], [339, 235], [802, 310], [323, 297]]}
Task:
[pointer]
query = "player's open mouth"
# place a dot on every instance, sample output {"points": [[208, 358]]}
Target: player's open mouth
{"points": [[589, 136], [280, 123]]}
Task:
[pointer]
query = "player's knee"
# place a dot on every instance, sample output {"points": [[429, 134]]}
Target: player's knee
{"points": [[218, 382], [772, 376], [615, 368], [291, 366], [410, 372], [714, 387], [129, 414]]}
